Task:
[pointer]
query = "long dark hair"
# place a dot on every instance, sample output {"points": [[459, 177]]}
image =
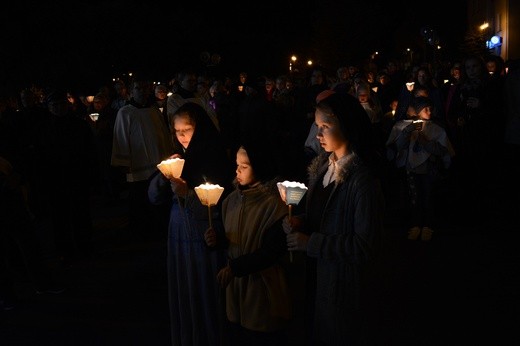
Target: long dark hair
{"points": [[355, 126]]}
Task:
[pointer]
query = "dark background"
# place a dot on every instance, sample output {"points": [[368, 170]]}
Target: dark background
{"points": [[85, 43]]}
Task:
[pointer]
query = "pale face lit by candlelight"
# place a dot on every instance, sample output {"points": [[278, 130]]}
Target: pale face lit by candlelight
{"points": [[244, 169], [183, 130], [329, 134]]}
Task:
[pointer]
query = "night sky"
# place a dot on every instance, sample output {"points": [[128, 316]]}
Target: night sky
{"points": [[85, 43]]}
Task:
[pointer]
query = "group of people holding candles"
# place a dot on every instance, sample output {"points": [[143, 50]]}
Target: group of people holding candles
{"points": [[228, 283]]}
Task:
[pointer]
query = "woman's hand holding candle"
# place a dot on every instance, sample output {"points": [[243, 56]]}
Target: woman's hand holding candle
{"points": [[179, 186]]}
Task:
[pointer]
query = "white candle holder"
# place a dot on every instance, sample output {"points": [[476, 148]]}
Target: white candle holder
{"points": [[94, 116], [291, 193], [209, 194], [171, 167]]}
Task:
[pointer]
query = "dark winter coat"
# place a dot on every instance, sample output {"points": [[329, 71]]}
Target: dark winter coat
{"points": [[345, 248]]}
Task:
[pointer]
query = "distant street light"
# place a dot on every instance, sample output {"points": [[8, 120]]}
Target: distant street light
{"points": [[293, 60], [411, 54]]}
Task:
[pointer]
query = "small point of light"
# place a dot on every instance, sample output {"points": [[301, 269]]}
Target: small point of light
{"points": [[484, 26], [495, 39], [293, 58], [309, 62]]}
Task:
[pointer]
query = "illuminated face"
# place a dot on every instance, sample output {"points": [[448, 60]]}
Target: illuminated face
{"points": [[491, 67], [456, 73], [425, 113], [329, 134], [421, 92], [363, 96], [183, 129], [161, 92], [244, 170]]}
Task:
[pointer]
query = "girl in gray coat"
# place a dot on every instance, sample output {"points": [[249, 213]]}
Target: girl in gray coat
{"points": [[342, 227]]}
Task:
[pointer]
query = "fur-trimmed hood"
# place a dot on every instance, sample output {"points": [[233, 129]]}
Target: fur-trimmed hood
{"points": [[320, 163]]}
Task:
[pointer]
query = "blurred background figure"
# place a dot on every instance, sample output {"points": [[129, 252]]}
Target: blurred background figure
{"points": [[141, 141]]}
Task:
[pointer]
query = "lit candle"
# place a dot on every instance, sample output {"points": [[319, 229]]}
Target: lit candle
{"points": [[209, 194], [171, 167], [291, 193], [94, 116]]}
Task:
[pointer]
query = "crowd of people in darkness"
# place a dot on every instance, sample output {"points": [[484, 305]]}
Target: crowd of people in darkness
{"points": [[427, 145]]}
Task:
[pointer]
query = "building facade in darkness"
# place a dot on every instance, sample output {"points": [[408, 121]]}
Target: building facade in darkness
{"points": [[502, 33]]}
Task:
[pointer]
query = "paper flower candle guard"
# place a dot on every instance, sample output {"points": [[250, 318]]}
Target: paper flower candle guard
{"points": [[209, 194], [94, 116], [171, 167], [291, 192]]}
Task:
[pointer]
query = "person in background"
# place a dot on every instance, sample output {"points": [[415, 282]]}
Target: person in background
{"points": [[475, 124], [370, 102], [269, 89], [238, 89], [161, 101], [101, 119], [449, 88], [386, 92], [187, 92], [78, 108], [141, 141], [425, 80], [258, 303], [194, 295], [342, 228], [65, 165], [423, 148], [122, 95], [226, 111], [343, 83]]}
